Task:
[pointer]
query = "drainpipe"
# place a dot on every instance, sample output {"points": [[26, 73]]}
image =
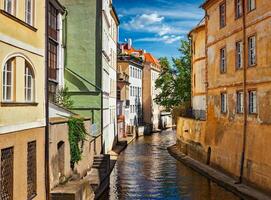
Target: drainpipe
{"points": [[47, 176], [244, 141]]}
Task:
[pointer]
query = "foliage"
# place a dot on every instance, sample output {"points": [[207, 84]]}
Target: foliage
{"points": [[77, 136], [63, 98], [175, 81]]}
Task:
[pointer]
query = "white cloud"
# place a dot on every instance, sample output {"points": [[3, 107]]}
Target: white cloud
{"points": [[168, 39]]}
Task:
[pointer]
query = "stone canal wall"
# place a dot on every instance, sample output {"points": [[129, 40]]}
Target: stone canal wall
{"points": [[221, 149]]}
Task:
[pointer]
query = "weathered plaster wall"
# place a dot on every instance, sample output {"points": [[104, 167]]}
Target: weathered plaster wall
{"points": [[83, 69], [59, 133], [19, 140], [225, 131], [198, 37]]}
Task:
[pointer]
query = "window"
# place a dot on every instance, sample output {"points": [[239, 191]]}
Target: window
{"points": [[52, 60], [223, 67], [118, 93], [131, 90], [239, 51], [240, 102], [251, 5], [29, 11], [28, 83], [252, 50], [6, 174], [8, 80], [52, 22], [252, 102], [223, 102], [31, 170], [222, 14], [238, 9], [9, 6]]}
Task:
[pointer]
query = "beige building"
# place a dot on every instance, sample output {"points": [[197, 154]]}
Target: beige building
{"points": [[151, 71], [236, 134], [198, 37], [22, 107]]}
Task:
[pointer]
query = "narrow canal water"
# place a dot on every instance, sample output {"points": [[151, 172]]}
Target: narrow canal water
{"points": [[145, 170]]}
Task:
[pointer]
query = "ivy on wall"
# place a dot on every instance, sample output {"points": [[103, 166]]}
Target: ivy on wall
{"points": [[77, 136]]}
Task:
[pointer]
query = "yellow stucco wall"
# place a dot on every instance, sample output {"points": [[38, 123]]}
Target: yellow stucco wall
{"points": [[21, 123], [19, 40], [224, 132], [19, 140]]}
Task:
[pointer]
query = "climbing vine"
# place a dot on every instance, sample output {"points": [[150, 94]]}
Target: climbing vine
{"points": [[77, 136]]}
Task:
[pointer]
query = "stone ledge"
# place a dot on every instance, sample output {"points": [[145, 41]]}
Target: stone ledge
{"points": [[221, 179]]}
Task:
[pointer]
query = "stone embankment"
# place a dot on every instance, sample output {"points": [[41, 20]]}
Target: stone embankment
{"points": [[241, 190]]}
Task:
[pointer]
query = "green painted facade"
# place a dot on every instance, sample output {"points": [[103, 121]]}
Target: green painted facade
{"points": [[83, 55]]}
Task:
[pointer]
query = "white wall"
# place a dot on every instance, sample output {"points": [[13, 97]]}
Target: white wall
{"points": [[135, 80]]}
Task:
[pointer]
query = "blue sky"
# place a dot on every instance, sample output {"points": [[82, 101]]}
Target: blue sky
{"points": [[157, 25]]}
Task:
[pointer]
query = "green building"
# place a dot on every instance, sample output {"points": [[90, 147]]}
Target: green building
{"points": [[83, 56]]}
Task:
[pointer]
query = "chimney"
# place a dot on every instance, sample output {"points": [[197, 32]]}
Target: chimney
{"points": [[130, 43], [122, 48]]}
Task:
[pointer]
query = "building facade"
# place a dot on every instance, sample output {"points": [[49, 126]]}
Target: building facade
{"points": [[83, 59], [110, 24], [151, 72], [238, 92], [22, 107], [198, 38], [130, 61]]}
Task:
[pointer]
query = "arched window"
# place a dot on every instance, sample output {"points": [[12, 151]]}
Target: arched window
{"points": [[28, 83], [8, 80]]}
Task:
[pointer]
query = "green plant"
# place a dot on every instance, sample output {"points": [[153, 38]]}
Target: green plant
{"points": [[77, 136], [174, 81], [63, 98]]}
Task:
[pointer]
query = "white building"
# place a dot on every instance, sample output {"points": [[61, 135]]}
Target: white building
{"points": [[110, 24], [135, 95]]}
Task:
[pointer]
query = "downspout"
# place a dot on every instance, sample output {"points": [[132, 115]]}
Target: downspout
{"points": [[100, 10], [244, 141], [46, 163]]}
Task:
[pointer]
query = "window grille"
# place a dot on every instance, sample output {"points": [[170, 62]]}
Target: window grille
{"points": [[223, 60], [222, 10], [238, 55], [6, 175], [252, 50], [252, 102], [238, 8], [31, 170]]}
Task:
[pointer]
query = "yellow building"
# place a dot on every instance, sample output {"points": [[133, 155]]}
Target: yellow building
{"points": [[198, 37], [235, 137], [22, 104]]}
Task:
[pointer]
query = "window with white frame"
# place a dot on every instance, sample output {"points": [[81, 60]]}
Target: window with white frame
{"points": [[29, 11], [252, 50], [240, 102], [239, 51], [223, 102], [238, 8], [251, 5], [8, 80], [28, 83], [223, 63], [222, 15], [252, 102], [9, 6]]}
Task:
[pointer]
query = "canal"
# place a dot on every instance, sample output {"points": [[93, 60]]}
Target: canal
{"points": [[145, 170]]}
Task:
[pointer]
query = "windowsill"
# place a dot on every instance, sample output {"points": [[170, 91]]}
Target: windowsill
{"points": [[239, 17], [249, 11], [252, 66], [18, 20], [18, 104], [32, 197]]}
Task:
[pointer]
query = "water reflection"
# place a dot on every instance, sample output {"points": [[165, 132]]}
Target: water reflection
{"points": [[145, 170]]}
